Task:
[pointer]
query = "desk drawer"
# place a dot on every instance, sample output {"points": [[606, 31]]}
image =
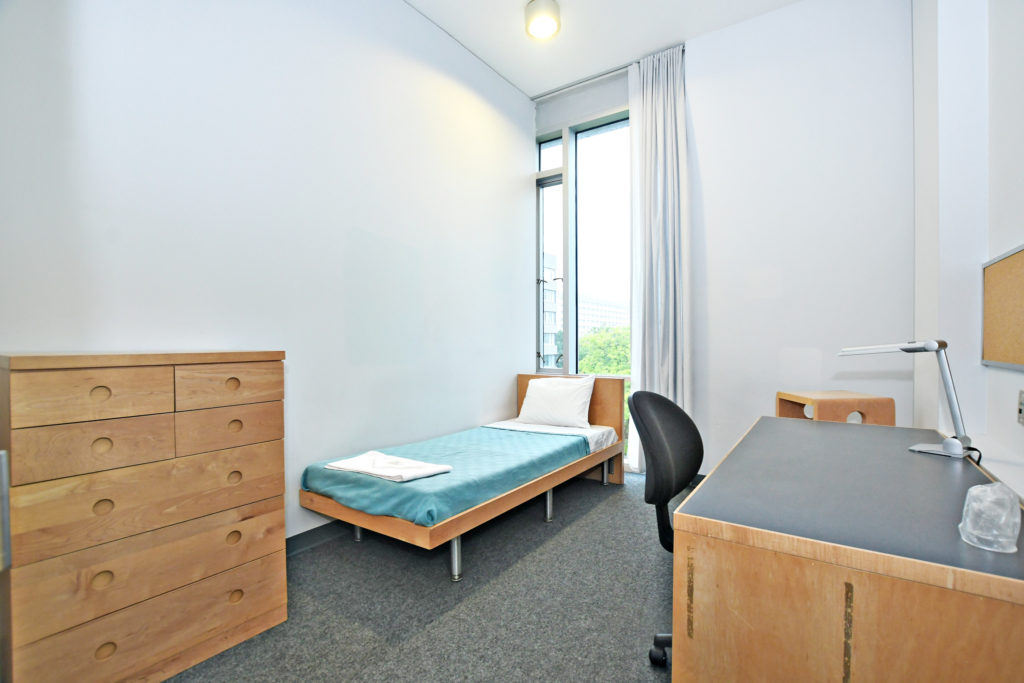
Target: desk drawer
{"points": [[61, 592], [112, 647], [57, 517], [41, 453], [47, 397], [199, 431], [227, 384]]}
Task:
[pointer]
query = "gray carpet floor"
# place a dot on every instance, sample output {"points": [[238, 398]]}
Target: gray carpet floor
{"points": [[577, 599]]}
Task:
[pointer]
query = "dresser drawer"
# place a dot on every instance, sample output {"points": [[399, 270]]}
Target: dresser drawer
{"points": [[199, 431], [61, 592], [48, 397], [227, 384], [56, 517], [112, 647], [41, 453]]}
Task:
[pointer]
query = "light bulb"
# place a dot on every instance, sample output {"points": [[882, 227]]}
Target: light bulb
{"points": [[542, 20], [542, 27]]}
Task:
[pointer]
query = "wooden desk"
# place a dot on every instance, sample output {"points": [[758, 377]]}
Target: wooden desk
{"points": [[823, 551]]}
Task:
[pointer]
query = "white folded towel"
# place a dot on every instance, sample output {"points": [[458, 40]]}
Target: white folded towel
{"points": [[389, 467]]}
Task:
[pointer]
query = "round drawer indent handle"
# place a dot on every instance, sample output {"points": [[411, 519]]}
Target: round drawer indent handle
{"points": [[235, 595], [233, 537], [100, 393], [235, 477], [232, 383], [102, 580], [102, 507], [235, 426], [102, 445], [106, 650]]}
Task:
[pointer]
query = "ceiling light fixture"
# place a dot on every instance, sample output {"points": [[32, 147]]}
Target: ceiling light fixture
{"points": [[542, 20]]}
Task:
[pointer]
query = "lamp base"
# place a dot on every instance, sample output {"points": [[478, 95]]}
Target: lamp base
{"points": [[950, 447]]}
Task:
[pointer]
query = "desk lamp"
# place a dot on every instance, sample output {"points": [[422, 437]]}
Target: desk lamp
{"points": [[954, 445]]}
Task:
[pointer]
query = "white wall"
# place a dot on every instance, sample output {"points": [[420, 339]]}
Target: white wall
{"points": [[926, 208], [963, 200], [1006, 216], [1006, 135], [338, 180], [968, 67], [802, 168]]}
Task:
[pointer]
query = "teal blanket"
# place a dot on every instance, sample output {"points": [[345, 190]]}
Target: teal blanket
{"points": [[486, 462]]}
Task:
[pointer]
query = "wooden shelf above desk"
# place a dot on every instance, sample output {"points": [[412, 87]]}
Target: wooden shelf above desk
{"points": [[836, 406]]}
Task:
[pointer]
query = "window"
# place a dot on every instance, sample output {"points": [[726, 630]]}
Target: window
{"points": [[583, 269]]}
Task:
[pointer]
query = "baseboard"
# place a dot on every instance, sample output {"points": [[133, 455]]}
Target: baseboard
{"points": [[314, 537]]}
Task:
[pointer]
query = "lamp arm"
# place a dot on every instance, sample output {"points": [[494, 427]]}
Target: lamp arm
{"points": [[954, 405], [952, 446]]}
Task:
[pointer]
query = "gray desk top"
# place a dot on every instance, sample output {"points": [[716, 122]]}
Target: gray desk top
{"points": [[853, 485]]}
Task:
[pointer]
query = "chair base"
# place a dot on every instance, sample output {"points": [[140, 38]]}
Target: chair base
{"points": [[660, 654]]}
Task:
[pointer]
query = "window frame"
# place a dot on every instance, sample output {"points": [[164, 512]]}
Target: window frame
{"points": [[546, 179], [566, 176]]}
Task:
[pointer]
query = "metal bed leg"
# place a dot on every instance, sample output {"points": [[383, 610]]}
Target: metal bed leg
{"points": [[456, 548], [604, 472], [549, 505], [357, 534]]}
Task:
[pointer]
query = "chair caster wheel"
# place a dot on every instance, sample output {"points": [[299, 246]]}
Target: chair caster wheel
{"points": [[658, 656]]}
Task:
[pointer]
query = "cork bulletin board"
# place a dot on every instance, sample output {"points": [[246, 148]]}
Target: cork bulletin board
{"points": [[1003, 327]]}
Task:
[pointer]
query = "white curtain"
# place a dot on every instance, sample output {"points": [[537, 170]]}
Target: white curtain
{"points": [[660, 307]]}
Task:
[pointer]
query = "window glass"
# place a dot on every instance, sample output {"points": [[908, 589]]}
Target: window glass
{"points": [[550, 154], [603, 249], [551, 281]]}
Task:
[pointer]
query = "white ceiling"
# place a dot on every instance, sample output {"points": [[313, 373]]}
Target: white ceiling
{"points": [[596, 36]]}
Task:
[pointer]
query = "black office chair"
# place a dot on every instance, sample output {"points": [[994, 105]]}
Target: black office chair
{"points": [[673, 451]]}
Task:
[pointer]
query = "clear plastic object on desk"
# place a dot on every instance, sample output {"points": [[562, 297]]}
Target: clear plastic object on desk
{"points": [[991, 518]]}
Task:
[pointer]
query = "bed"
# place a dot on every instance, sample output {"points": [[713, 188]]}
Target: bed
{"points": [[434, 510]]}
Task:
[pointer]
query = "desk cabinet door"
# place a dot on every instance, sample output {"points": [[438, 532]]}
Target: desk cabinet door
{"points": [[745, 613]]}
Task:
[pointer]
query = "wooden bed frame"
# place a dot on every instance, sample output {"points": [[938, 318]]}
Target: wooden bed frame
{"points": [[606, 408]]}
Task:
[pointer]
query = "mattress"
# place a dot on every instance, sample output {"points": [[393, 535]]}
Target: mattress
{"points": [[486, 462], [598, 437]]}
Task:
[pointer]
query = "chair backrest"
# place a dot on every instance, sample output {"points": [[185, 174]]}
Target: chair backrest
{"points": [[673, 452]]}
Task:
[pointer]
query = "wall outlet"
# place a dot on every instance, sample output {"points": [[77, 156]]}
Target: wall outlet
{"points": [[1020, 408]]}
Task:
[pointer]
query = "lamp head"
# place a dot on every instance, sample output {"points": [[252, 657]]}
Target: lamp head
{"points": [[906, 347], [542, 19]]}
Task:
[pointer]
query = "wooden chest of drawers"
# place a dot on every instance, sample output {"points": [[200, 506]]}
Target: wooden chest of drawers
{"points": [[146, 510]]}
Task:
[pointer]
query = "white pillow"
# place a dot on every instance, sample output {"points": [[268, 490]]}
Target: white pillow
{"points": [[559, 401]]}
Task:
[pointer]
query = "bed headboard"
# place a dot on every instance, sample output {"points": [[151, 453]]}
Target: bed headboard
{"points": [[606, 403]]}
